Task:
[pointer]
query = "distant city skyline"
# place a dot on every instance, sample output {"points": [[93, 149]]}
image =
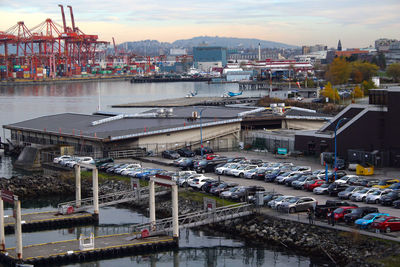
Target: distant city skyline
{"points": [[357, 23]]}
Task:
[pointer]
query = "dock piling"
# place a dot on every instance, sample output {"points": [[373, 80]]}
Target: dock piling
{"points": [[78, 196]]}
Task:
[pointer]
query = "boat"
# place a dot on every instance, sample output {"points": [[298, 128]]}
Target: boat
{"points": [[231, 94]]}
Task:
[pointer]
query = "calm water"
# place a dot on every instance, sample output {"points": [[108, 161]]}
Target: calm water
{"points": [[197, 248]]}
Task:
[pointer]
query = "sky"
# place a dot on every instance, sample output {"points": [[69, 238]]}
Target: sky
{"points": [[357, 23]]}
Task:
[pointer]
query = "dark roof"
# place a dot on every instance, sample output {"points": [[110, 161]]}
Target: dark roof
{"points": [[81, 124], [305, 113]]}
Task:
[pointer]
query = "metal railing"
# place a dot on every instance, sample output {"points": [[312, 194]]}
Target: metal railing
{"points": [[108, 199], [198, 218]]}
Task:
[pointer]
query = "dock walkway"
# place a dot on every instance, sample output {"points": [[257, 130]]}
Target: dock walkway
{"points": [[48, 220], [108, 246]]}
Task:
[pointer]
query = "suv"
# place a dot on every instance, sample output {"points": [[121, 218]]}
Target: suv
{"points": [[185, 152], [239, 172], [299, 204], [244, 192], [204, 166], [389, 198], [346, 194]]}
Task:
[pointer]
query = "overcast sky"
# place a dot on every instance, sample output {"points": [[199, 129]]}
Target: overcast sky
{"points": [[358, 23]]}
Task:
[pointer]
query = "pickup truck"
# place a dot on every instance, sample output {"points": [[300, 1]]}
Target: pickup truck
{"points": [[322, 210]]}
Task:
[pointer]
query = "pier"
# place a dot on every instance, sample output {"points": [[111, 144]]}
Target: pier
{"points": [[190, 101], [68, 251]]}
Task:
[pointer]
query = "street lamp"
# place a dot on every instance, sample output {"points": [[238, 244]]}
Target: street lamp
{"points": [[337, 126], [201, 130]]}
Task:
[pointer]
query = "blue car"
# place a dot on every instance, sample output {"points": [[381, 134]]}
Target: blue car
{"points": [[366, 221], [270, 177]]}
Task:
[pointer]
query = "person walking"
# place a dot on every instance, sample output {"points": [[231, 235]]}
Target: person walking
{"points": [[310, 216]]}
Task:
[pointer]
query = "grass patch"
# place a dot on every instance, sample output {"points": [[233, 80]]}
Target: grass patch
{"points": [[391, 261], [198, 197], [103, 176]]}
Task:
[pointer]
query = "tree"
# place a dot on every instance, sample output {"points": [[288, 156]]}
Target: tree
{"points": [[394, 71], [357, 92], [338, 71], [367, 85], [363, 71], [379, 60], [330, 92]]}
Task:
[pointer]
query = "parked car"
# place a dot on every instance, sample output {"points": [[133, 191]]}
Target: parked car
{"points": [[310, 185], [105, 166], [211, 156], [204, 166], [358, 213], [386, 183], [271, 176], [186, 164], [210, 184], [271, 196], [222, 187], [197, 183], [368, 182], [223, 168], [228, 193], [299, 184], [298, 204], [375, 197], [345, 179], [362, 194], [244, 192], [396, 204], [185, 152], [395, 186], [177, 162], [322, 189], [335, 188], [367, 220], [239, 172], [389, 198], [170, 154], [274, 204], [322, 210], [61, 158], [206, 150], [386, 224], [289, 181], [259, 173], [340, 212], [345, 194]]}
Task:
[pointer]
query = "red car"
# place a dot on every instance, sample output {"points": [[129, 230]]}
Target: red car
{"points": [[387, 224], [211, 156], [341, 211], [313, 184]]}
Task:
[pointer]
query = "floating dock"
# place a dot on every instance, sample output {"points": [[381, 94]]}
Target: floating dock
{"points": [[189, 101], [38, 221], [68, 251]]}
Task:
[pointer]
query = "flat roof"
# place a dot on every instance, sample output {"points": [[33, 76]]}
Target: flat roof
{"points": [[73, 124]]}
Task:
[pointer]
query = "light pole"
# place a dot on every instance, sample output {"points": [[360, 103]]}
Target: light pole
{"points": [[201, 129], [337, 126]]}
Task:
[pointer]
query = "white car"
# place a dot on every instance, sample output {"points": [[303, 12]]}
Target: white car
{"points": [[345, 179], [239, 172], [229, 170], [249, 174], [130, 166], [61, 158], [320, 190], [187, 180], [129, 171], [86, 160], [282, 179], [197, 183], [222, 169]]}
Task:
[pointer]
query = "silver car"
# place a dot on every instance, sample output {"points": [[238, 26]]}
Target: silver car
{"points": [[375, 197], [349, 191], [362, 194], [278, 201], [320, 190], [296, 204]]}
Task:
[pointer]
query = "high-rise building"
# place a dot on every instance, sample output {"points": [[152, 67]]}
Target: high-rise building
{"points": [[383, 44], [208, 57]]}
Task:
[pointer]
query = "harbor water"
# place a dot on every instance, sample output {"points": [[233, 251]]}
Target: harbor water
{"points": [[196, 247]]}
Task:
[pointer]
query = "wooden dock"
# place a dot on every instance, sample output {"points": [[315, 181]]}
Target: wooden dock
{"points": [[37, 221], [188, 101], [109, 246]]}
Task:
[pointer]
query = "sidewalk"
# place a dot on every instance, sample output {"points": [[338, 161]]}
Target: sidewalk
{"points": [[302, 218]]}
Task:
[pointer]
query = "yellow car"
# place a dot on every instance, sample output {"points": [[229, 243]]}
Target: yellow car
{"points": [[386, 183]]}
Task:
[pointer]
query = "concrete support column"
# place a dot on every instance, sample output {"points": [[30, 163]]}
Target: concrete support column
{"points": [[95, 191], [2, 236], [175, 222], [78, 196], [152, 203], [176, 258], [18, 228], [135, 186]]}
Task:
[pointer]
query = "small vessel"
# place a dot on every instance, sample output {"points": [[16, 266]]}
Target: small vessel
{"points": [[191, 94], [231, 94]]}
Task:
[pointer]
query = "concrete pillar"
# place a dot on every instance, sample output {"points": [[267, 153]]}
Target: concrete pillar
{"points": [[78, 196], [95, 191], [18, 228], [136, 188], [175, 222], [2, 237], [152, 203], [176, 258]]}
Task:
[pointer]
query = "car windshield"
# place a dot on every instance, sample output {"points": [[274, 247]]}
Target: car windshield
{"points": [[338, 210], [369, 217], [392, 194], [382, 183], [324, 186], [233, 189], [302, 179], [293, 200], [279, 198], [377, 193], [381, 219], [349, 189], [285, 174], [364, 190]]}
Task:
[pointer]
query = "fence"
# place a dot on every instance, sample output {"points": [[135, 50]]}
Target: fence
{"points": [[268, 143]]}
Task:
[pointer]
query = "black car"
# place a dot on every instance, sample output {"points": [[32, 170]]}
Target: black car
{"points": [[204, 166], [237, 159], [243, 193], [259, 174], [185, 152], [389, 198], [206, 150], [368, 182], [186, 164], [288, 182], [206, 187], [335, 188], [358, 213], [170, 154]]}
